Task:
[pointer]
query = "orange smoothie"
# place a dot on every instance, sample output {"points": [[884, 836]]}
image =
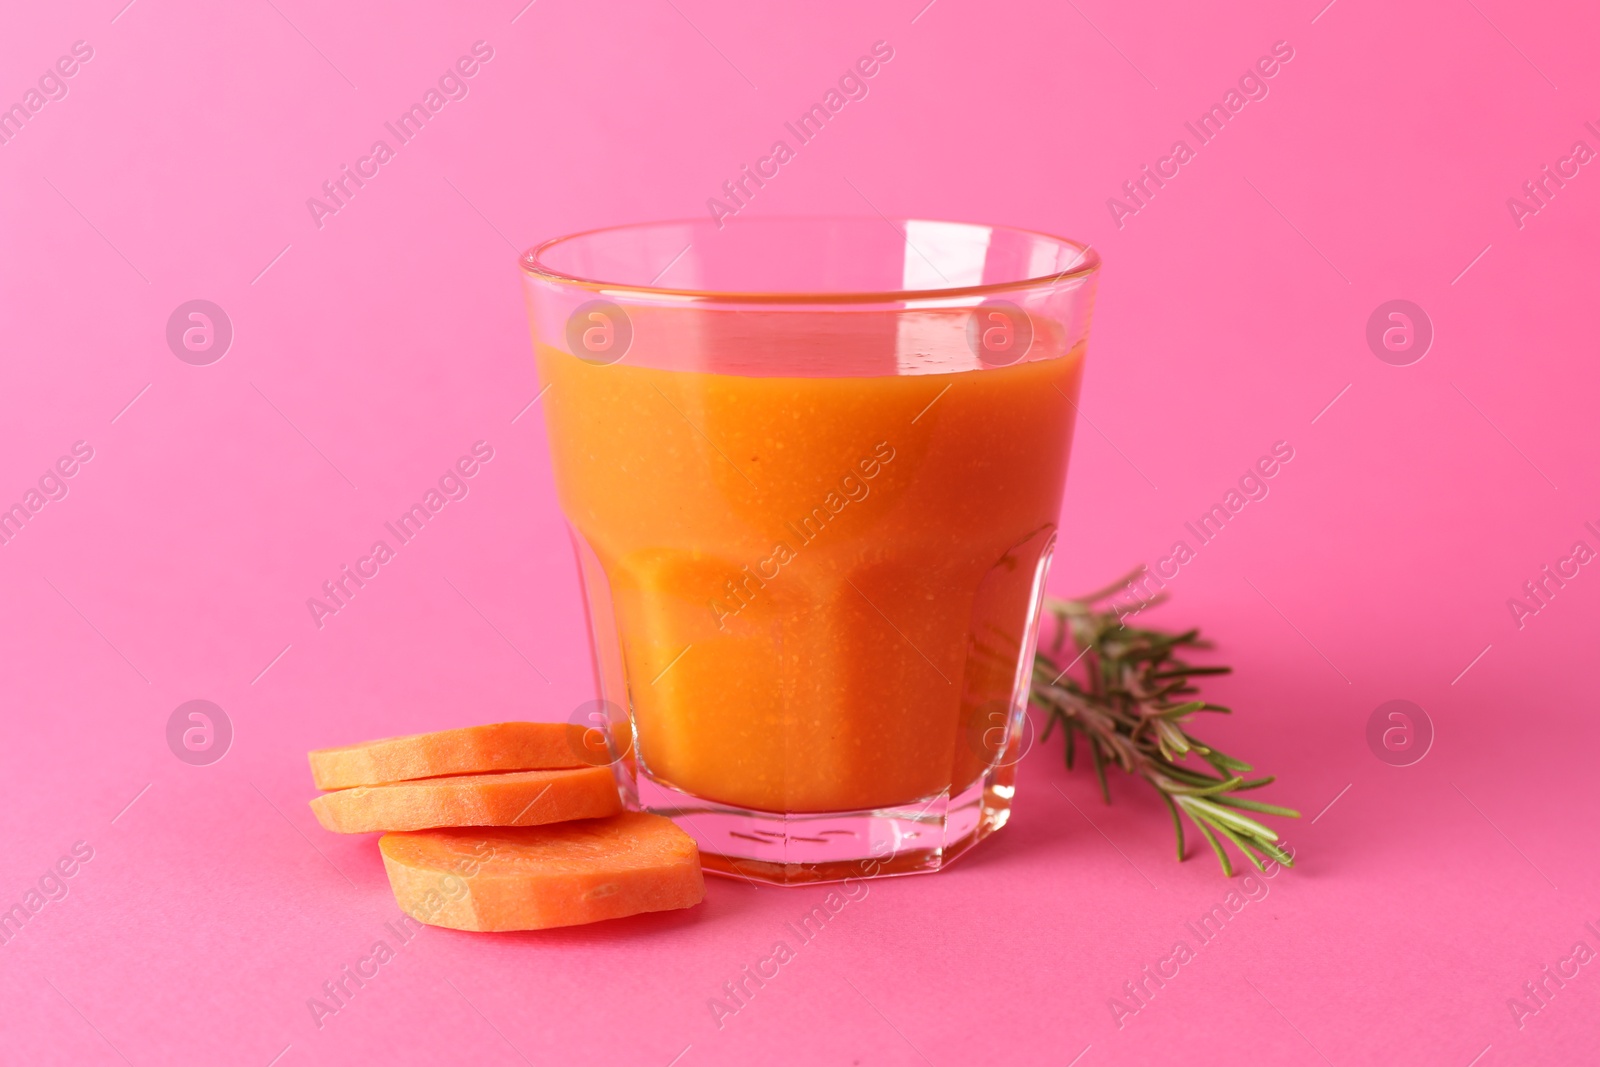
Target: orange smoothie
{"points": [[818, 587]]}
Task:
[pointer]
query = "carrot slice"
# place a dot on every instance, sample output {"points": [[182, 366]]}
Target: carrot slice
{"points": [[501, 746], [516, 798], [494, 878]]}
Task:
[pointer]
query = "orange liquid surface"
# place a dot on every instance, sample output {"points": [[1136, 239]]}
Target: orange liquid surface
{"points": [[813, 593]]}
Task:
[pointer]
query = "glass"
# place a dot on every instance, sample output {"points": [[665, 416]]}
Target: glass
{"points": [[812, 470]]}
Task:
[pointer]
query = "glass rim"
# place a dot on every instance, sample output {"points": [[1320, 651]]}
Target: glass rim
{"points": [[1088, 263]]}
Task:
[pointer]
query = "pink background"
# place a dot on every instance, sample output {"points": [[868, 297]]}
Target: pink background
{"points": [[371, 352]]}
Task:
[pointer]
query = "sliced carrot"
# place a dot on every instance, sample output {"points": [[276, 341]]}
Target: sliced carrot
{"points": [[493, 878], [502, 746], [515, 798]]}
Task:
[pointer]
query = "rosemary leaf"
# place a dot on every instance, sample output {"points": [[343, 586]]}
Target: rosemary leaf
{"points": [[1177, 824], [1222, 816], [1100, 769], [1211, 839], [1256, 805]]}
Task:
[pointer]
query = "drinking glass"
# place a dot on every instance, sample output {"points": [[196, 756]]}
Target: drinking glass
{"points": [[812, 470]]}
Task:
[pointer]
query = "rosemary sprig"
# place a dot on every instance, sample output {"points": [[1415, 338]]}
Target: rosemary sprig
{"points": [[1130, 702]]}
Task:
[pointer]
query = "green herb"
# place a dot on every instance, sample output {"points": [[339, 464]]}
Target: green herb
{"points": [[1124, 692]]}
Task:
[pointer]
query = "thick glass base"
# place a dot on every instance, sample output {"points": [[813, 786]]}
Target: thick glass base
{"points": [[807, 848]]}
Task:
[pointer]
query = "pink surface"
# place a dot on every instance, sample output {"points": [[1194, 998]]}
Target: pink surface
{"points": [[373, 349]]}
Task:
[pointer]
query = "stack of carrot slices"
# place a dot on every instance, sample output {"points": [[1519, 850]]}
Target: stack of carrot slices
{"points": [[510, 826]]}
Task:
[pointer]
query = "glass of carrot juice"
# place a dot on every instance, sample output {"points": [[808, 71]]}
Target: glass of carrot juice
{"points": [[812, 470]]}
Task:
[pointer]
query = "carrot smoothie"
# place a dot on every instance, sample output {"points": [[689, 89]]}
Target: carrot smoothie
{"points": [[812, 469], [819, 588]]}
